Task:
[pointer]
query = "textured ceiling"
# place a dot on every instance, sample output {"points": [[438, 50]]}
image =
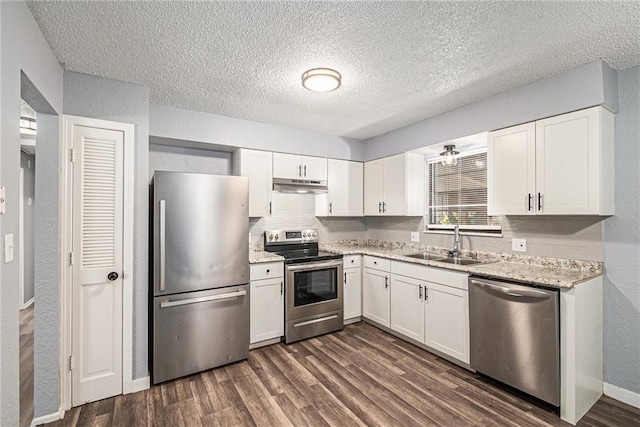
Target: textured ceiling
{"points": [[401, 62]]}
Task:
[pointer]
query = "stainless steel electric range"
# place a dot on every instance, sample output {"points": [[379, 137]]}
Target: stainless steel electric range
{"points": [[313, 284]]}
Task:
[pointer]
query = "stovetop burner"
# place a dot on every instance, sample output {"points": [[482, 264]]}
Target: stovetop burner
{"points": [[296, 246]]}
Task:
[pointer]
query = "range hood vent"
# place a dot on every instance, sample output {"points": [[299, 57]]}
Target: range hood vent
{"points": [[299, 186]]}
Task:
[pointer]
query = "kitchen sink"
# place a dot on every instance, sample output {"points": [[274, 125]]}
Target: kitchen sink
{"points": [[426, 256], [459, 261]]}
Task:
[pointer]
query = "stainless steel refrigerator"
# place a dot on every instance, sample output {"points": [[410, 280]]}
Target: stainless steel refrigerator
{"points": [[200, 267]]}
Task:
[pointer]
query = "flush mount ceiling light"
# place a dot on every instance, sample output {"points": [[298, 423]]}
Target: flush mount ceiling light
{"points": [[449, 155], [321, 79]]}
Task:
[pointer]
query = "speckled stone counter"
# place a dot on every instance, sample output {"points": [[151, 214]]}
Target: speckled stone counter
{"points": [[259, 257], [559, 273]]}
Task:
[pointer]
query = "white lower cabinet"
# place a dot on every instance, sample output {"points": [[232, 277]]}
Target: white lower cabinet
{"points": [[375, 295], [266, 302], [407, 309], [435, 314], [352, 287], [446, 320]]}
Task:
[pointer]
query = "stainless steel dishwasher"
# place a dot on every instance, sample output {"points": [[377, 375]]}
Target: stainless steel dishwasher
{"points": [[515, 336]]}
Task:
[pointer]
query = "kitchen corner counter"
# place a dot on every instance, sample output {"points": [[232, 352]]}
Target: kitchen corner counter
{"points": [[259, 257], [530, 270]]}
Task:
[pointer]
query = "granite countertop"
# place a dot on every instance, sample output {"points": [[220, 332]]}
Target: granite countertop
{"points": [[559, 273], [259, 257]]}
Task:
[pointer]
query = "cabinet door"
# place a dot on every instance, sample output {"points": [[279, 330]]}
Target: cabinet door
{"points": [[511, 171], [345, 182], [287, 166], [394, 202], [257, 166], [338, 183], [314, 168], [407, 308], [373, 187], [567, 163], [447, 321], [355, 186], [352, 293], [267, 309], [375, 296]]}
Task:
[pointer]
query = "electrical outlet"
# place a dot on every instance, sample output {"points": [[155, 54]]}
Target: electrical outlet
{"points": [[519, 245], [415, 236]]}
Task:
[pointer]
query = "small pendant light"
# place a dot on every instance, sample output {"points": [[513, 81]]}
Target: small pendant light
{"points": [[449, 155]]}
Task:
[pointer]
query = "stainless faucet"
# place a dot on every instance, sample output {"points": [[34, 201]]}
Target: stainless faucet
{"points": [[455, 251]]}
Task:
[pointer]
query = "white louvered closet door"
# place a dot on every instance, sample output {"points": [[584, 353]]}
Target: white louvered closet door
{"points": [[97, 265]]}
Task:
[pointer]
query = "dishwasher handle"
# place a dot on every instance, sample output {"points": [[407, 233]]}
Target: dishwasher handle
{"points": [[528, 293]]}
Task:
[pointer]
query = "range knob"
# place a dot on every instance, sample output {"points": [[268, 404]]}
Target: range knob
{"points": [[304, 234], [276, 237], [315, 234], [270, 236]]}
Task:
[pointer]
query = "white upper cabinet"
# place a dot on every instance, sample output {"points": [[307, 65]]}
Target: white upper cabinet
{"points": [[293, 166], [345, 196], [256, 165], [511, 172], [562, 165], [394, 186]]}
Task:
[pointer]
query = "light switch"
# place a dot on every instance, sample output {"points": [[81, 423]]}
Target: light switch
{"points": [[8, 248], [415, 236]]}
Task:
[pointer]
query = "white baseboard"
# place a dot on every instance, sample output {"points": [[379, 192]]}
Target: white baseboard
{"points": [[140, 384], [622, 394], [44, 419]]}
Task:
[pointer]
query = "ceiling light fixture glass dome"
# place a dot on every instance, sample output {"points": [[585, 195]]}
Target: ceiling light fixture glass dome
{"points": [[449, 155], [321, 79]]}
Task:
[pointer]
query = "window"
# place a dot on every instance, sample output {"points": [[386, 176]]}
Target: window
{"points": [[458, 194]]}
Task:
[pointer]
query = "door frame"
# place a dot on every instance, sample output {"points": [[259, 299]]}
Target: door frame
{"points": [[66, 272]]}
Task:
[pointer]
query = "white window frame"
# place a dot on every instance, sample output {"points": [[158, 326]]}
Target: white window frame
{"points": [[480, 229]]}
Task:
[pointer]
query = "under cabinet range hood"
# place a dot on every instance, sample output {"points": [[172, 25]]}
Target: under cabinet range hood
{"points": [[299, 186]]}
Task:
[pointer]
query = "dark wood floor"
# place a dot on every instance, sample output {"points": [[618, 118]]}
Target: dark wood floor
{"points": [[359, 376], [26, 366]]}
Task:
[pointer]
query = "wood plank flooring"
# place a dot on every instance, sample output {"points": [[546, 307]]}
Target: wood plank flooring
{"points": [[355, 377], [26, 366]]}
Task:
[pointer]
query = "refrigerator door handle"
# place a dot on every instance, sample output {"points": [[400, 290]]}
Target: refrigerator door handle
{"points": [[162, 244], [165, 304]]}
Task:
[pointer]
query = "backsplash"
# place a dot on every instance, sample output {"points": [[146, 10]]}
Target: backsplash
{"points": [[570, 237], [293, 211]]}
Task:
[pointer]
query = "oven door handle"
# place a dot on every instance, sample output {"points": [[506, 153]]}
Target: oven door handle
{"points": [[315, 265]]}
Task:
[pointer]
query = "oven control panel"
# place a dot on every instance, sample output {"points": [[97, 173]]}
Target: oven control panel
{"points": [[291, 236]]}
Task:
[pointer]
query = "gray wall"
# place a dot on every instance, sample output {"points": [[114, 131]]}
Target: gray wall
{"points": [[180, 124], [586, 86], [107, 99], [622, 246], [22, 48], [46, 378], [574, 237], [28, 165], [179, 159]]}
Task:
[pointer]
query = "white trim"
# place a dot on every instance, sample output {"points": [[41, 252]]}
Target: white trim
{"points": [[65, 208], [44, 419], [622, 394], [140, 384], [21, 241], [28, 303]]}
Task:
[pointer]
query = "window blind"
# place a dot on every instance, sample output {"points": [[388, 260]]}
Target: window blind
{"points": [[458, 194]]}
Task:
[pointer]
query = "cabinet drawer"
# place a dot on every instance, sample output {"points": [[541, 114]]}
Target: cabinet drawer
{"points": [[266, 270], [377, 263], [435, 275], [351, 261]]}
